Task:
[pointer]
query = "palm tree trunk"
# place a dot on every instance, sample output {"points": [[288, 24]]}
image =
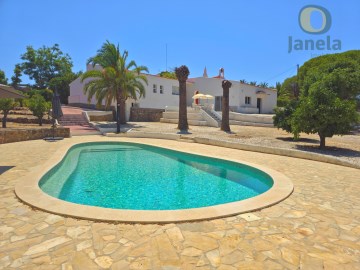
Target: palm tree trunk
{"points": [[225, 126], [182, 74], [123, 111], [183, 123]]}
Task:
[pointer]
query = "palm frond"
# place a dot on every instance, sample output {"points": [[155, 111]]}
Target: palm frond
{"points": [[90, 74], [118, 78]]}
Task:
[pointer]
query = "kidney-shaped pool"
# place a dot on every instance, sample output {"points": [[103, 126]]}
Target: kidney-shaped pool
{"points": [[138, 182], [143, 177]]}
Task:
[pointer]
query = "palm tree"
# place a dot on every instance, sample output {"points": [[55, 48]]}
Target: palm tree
{"points": [[243, 81], [117, 81], [182, 74], [263, 84], [252, 83], [278, 86], [225, 126]]}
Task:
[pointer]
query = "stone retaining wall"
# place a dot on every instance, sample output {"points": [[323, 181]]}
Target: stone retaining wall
{"points": [[9, 135], [23, 120], [145, 115], [102, 118]]}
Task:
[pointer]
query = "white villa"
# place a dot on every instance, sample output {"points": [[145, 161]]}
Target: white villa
{"points": [[163, 93]]}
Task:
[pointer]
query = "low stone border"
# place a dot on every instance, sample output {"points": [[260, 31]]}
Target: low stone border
{"points": [[145, 114], [24, 120], [153, 135], [28, 191], [277, 151], [10, 135]]}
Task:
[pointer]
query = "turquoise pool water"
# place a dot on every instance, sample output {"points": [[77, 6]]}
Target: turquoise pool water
{"points": [[143, 177]]}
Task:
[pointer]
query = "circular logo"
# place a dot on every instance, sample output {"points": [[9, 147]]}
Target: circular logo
{"points": [[305, 19]]}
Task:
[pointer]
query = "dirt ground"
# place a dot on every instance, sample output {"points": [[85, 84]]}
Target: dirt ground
{"points": [[22, 113], [345, 147]]}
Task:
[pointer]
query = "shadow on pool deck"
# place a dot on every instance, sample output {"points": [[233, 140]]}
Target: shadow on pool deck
{"points": [[5, 168], [291, 139], [329, 151]]}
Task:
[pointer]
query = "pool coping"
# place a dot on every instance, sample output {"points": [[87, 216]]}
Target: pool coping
{"points": [[28, 191]]}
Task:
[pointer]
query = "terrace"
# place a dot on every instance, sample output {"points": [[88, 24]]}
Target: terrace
{"points": [[316, 227]]}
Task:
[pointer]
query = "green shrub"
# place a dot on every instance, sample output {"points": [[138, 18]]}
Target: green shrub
{"points": [[324, 113], [283, 116], [47, 94], [168, 74], [282, 101], [39, 106], [6, 105]]}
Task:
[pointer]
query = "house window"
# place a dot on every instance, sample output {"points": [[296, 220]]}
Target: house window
{"points": [[154, 88], [161, 89], [247, 100], [175, 90]]}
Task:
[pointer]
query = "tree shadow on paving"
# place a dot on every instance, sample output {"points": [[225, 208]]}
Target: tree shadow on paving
{"points": [[355, 132], [304, 140], [329, 150], [183, 132], [5, 168]]}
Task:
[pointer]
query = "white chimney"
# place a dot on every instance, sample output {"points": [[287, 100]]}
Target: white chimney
{"points": [[221, 73]]}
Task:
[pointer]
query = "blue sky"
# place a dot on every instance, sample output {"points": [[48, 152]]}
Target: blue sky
{"points": [[248, 38]]}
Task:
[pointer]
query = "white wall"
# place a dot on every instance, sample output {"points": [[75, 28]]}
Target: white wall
{"points": [[206, 86], [211, 86], [157, 100], [237, 94], [151, 99], [76, 92], [268, 101], [76, 88]]}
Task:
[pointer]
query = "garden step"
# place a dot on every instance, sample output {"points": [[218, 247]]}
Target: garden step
{"points": [[73, 120], [255, 124], [74, 124], [190, 122]]}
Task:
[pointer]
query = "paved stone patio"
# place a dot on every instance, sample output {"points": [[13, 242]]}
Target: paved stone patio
{"points": [[317, 227]]}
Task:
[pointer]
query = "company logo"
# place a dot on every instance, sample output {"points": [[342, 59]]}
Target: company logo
{"points": [[306, 25], [305, 20]]}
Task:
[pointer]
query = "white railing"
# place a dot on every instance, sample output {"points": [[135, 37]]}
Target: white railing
{"points": [[210, 121], [218, 115]]}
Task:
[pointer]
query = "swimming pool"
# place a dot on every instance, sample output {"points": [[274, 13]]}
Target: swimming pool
{"points": [[158, 194], [143, 177]]}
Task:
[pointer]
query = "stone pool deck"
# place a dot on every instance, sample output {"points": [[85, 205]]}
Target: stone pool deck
{"points": [[317, 227]]}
